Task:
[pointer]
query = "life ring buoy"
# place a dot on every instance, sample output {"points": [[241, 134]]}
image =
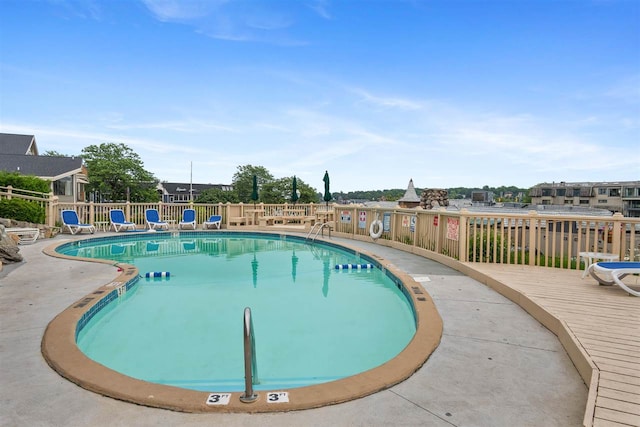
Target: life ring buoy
{"points": [[376, 224]]}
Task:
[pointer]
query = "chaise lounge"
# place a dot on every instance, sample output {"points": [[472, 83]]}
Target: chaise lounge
{"points": [[612, 273], [213, 221], [71, 222], [119, 222], [152, 217], [188, 219], [26, 236]]}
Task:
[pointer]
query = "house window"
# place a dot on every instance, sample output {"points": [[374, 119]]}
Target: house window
{"points": [[602, 201], [63, 187], [602, 191], [547, 192], [614, 192], [568, 202], [584, 202]]}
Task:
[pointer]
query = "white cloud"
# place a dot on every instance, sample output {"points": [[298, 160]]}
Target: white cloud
{"points": [[230, 20], [387, 102], [181, 11], [321, 7]]}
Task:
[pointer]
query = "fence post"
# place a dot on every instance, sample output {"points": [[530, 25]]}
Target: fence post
{"points": [[127, 208], [92, 213], [9, 190], [463, 240], [52, 209], [616, 241], [533, 249]]}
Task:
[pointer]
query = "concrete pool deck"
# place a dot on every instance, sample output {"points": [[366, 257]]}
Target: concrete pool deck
{"points": [[495, 365]]}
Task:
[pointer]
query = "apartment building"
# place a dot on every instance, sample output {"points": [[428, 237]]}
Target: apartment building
{"points": [[620, 196]]}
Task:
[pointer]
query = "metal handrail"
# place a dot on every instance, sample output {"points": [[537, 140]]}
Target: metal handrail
{"points": [[250, 365], [322, 225]]}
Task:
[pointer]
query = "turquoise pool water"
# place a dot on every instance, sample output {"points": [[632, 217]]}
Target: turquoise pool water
{"points": [[312, 322]]}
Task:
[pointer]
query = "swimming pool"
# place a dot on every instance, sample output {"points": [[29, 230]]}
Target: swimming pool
{"points": [[313, 322]]}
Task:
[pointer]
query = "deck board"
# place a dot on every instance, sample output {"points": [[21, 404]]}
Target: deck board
{"points": [[605, 321]]}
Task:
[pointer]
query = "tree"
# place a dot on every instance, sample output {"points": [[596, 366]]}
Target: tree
{"points": [[279, 191], [243, 181], [117, 173], [216, 195], [53, 153]]}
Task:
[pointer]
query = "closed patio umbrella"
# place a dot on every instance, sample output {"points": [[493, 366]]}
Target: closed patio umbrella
{"points": [[327, 193], [294, 190], [254, 193]]}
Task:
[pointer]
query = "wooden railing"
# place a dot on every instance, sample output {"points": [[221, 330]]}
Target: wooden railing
{"points": [[91, 213], [531, 238]]}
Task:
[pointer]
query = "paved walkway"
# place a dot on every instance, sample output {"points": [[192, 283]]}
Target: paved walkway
{"points": [[495, 366]]}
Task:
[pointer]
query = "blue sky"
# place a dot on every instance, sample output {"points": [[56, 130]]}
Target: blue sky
{"points": [[455, 93]]}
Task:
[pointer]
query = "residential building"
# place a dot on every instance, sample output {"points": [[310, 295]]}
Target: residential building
{"points": [[619, 196], [67, 175], [179, 192]]}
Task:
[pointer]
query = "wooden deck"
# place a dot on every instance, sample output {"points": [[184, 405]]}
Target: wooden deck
{"points": [[599, 326]]}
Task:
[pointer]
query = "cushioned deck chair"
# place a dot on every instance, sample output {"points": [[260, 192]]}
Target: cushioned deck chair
{"points": [[119, 222], [152, 217], [71, 222], [26, 235], [612, 273], [188, 219], [213, 221]]}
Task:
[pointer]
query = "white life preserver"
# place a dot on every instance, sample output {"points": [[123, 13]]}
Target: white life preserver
{"points": [[372, 229]]}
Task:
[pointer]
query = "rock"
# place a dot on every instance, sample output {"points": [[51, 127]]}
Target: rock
{"points": [[9, 251], [434, 198]]}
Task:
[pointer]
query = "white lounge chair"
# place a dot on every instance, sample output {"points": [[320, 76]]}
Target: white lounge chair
{"points": [[188, 219], [119, 222], [213, 221], [612, 273], [71, 222], [26, 235], [152, 217]]}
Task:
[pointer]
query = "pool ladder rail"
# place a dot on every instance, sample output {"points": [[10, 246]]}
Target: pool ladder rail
{"points": [[318, 228], [250, 364]]}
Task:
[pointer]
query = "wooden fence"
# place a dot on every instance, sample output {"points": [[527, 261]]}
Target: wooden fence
{"points": [[529, 238]]}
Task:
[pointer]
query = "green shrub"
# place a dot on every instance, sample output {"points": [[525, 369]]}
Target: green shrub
{"points": [[484, 254], [24, 182], [22, 210]]}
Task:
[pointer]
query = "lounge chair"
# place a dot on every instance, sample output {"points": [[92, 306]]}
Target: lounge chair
{"points": [[26, 235], [152, 217], [188, 219], [612, 273], [213, 221], [71, 222], [119, 222]]}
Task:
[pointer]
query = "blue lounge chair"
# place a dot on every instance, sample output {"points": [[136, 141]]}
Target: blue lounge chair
{"points": [[213, 221], [119, 222], [188, 219], [612, 273], [71, 222], [152, 217]]}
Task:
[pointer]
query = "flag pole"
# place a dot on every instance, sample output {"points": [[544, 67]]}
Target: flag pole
{"points": [[191, 184]]}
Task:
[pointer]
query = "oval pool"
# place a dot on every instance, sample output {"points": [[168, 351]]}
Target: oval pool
{"points": [[313, 322], [323, 334]]}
